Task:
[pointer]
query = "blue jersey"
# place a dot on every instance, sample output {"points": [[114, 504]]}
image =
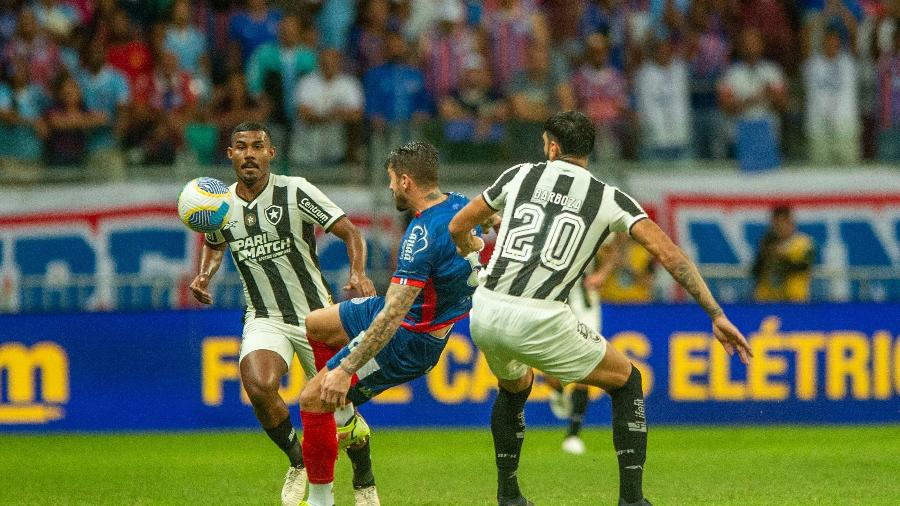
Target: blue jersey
{"points": [[427, 258]]}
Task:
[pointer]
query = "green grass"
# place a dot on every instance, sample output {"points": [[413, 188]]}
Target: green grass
{"points": [[704, 466]]}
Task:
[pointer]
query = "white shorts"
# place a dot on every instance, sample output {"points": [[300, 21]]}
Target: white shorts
{"points": [[516, 333], [586, 305], [282, 338]]}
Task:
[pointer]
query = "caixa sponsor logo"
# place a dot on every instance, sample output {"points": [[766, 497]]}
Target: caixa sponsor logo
{"points": [[22, 369], [857, 242]]}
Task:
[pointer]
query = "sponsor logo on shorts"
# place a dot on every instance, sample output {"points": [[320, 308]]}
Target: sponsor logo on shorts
{"points": [[587, 333]]}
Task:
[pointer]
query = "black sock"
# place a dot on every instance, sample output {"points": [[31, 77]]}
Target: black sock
{"points": [[579, 408], [629, 426], [286, 438], [508, 430], [361, 459]]}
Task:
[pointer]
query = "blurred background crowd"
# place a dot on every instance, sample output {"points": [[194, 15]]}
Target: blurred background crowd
{"points": [[111, 83]]}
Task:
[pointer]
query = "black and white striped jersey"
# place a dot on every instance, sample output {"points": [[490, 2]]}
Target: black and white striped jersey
{"points": [[273, 244], [555, 215]]}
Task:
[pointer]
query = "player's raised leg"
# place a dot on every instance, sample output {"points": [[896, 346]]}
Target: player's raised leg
{"points": [[508, 431], [622, 381], [261, 373], [327, 336]]}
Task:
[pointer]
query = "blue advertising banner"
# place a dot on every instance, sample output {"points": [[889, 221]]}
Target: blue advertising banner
{"points": [[820, 363]]}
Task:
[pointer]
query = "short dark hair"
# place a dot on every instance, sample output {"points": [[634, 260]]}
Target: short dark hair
{"points": [[573, 131], [781, 211], [250, 126], [418, 160]]}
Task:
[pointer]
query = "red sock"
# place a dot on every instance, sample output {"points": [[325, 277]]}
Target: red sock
{"points": [[320, 446], [322, 353]]}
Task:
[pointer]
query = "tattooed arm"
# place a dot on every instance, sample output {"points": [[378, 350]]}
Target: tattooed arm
{"points": [[397, 301], [686, 274]]}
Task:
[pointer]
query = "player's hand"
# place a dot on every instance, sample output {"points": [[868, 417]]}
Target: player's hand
{"points": [[335, 385], [200, 288], [361, 283], [475, 244], [731, 338]]}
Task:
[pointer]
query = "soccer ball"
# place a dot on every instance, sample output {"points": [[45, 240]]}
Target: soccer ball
{"points": [[203, 204]]}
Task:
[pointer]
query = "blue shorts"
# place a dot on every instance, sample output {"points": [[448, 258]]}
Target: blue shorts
{"points": [[407, 356]]}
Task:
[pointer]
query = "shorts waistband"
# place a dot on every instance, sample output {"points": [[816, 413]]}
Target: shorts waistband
{"points": [[517, 300]]}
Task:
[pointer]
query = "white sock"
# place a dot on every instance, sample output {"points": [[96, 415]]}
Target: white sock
{"points": [[343, 415], [320, 494]]}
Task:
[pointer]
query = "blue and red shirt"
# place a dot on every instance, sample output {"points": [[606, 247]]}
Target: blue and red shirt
{"points": [[427, 259]]}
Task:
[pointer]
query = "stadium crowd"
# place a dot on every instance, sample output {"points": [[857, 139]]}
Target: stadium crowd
{"points": [[109, 83]]}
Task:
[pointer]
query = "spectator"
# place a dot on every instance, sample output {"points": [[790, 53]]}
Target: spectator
{"points": [[753, 93], [232, 105], [172, 103], [511, 27], [31, 45], [22, 106], [395, 91], [663, 105], [474, 112], [131, 56], [69, 125], [889, 103], [105, 91], [445, 48], [608, 18], [334, 21], [602, 93], [329, 102], [564, 23], [275, 68], [708, 51], [782, 270], [55, 18], [254, 26], [100, 25], [769, 18], [630, 266], [185, 41], [832, 107], [536, 92], [368, 34]]}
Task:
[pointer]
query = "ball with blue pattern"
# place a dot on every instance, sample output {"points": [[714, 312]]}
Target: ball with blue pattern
{"points": [[203, 204]]}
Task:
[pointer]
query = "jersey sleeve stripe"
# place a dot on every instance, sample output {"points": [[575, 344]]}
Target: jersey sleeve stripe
{"points": [[407, 282], [627, 204], [311, 208], [495, 189]]}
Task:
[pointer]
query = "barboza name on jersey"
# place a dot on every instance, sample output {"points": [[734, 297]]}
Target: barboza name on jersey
{"points": [[544, 195], [261, 247]]}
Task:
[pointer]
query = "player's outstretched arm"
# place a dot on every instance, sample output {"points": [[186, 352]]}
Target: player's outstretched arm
{"points": [[397, 301], [210, 259], [473, 214], [686, 274], [356, 250]]}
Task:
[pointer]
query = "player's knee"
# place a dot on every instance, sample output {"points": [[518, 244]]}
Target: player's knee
{"points": [[261, 388], [310, 399]]}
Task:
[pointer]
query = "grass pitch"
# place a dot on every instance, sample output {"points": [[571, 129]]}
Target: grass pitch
{"points": [[686, 466]]}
